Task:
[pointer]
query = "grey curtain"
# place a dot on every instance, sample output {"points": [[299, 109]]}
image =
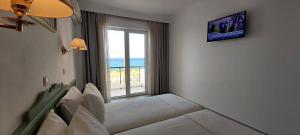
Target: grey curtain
{"points": [[94, 66], [158, 59]]}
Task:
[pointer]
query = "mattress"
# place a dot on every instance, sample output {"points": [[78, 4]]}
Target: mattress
{"points": [[129, 114], [202, 122]]}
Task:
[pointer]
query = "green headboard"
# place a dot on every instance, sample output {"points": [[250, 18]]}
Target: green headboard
{"points": [[47, 100]]}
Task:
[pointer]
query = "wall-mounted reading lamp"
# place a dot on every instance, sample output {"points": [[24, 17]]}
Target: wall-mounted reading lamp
{"points": [[39, 8], [77, 45]]}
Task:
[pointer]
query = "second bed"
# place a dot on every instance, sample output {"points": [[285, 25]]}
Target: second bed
{"points": [[202, 122], [132, 113]]}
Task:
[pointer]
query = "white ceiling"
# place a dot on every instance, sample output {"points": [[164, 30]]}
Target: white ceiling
{"points": [[159, 8]]}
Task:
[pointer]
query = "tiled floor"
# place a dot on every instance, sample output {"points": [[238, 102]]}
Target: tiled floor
{"points": [[122, 92], [128, 98]]}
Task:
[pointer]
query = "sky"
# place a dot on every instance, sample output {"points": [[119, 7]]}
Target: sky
{"points": [[116, 43]]}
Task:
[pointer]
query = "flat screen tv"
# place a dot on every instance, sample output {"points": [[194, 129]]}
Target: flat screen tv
{"points": [[229, 27]]}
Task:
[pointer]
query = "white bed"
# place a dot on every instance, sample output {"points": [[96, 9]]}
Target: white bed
{"points": [[198, 123], [122, 116]]}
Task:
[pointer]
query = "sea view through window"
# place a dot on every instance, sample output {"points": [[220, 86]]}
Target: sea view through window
{"points": [[126, 62]]}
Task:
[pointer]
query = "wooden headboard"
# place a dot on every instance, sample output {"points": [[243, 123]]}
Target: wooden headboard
{"points": [[47, 100]]}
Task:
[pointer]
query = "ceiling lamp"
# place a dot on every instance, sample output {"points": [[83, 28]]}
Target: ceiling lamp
{"points": [[39, 8]]}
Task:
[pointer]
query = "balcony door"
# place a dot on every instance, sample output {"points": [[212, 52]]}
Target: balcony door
{"points": [[126, 61]]}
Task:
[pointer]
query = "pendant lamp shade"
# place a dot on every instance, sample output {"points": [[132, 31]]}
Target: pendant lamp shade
{"points": [[39, 8]]}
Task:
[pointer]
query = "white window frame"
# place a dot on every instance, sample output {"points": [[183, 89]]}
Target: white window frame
{"points": [[127, 31]]}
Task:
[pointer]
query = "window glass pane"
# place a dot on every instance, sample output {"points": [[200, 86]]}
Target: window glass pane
{"points": [[137, 62], [116, 47]]}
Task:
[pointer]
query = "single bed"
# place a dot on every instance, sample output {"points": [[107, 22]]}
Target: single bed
{"points": [[121, 116], [202, 122]]}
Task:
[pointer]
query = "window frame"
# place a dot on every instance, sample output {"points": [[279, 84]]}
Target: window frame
{"points": [[127, 31]]}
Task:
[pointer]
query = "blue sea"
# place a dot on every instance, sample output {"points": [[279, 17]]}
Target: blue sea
{"points": [[120, 62]]}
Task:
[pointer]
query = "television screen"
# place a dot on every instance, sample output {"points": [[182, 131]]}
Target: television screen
{"points": [[229, 27]]}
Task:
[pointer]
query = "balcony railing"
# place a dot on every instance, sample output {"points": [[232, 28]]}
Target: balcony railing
{"points": [[137, 79]]}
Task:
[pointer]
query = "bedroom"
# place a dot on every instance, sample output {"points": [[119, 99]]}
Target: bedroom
{"points": [[251, 80]]}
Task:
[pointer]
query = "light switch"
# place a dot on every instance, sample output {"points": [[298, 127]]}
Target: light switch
{"points": [[45, 81]]}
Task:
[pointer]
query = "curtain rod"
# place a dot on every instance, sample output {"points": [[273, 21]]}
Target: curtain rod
{"points": [[137, 19]]}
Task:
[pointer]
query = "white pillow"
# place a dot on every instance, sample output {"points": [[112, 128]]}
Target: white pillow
{"points": [[85, 123], [53, 125], [91, 86], [70, 102], [94, 102]]}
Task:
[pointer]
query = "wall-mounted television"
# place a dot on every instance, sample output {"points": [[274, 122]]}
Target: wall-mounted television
{"points": [[228, 27]]}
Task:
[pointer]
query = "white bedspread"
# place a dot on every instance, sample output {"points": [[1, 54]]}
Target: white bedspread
{"points": [[177, 126], [219, 125], [198, 123], [121, 116]]}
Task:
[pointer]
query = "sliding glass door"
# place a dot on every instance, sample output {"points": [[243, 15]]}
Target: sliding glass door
{"points": [[137, 43], [116, 47], [126, 61]]}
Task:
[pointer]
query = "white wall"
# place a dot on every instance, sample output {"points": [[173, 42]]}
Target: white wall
{"points": [[254, 80], [79, 60], [25, 58]]}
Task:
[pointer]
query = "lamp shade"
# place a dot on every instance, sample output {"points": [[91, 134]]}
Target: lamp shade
{"points": [[39, 8], [78, 44]]}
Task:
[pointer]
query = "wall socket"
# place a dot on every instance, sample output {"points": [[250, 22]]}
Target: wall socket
{"points": [[45, 81]]}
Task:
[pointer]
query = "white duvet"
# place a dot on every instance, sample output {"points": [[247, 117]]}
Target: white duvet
{"points": [[198, 123], [176, 126], [122, 116]]}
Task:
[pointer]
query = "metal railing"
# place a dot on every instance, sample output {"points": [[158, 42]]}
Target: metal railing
{"points": [[119, 72]]}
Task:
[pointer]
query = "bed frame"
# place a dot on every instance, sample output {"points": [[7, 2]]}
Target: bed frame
{"points": [[47, 100]]}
